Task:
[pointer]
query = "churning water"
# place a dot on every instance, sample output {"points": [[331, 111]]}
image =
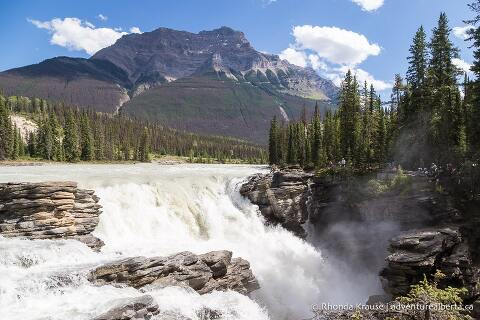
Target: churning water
{"points": [[154, 210]]}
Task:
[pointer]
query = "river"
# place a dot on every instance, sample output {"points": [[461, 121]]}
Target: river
{"points": [[155, 210]]}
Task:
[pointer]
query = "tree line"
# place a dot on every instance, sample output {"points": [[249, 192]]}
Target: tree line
{"points": [[71, 134], [433, 115], [360, 131]]}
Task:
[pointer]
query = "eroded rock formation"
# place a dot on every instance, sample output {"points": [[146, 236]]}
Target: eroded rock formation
{"points": [[49, 210], [423, 252], [429, 231], [281, 197], [204, 273]]}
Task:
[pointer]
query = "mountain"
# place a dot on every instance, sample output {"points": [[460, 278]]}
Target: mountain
{"points": [[212, 82]]}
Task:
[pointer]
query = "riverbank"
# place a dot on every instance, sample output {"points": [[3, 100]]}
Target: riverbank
{"points": [[162, 160]]}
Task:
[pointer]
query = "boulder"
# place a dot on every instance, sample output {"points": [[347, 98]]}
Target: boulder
{"points": [[143, 307], [203, 273], [281, 197], [49, 210], [423, 252]]}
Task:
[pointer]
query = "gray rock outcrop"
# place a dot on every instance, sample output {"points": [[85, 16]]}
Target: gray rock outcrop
{"points": [[49, 210], [143, 307], [204, 273], [281, 197], [423, 252]]}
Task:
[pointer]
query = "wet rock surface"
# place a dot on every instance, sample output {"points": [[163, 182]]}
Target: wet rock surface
{"points": [[204, 273], [49, 210], [143, 307], [146, 308], [281, 197]]}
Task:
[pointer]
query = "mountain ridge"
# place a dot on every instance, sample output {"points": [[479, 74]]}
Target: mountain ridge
{"points": [[117, 76]]}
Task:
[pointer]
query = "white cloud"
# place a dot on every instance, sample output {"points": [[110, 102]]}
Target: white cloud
{"points": [[334, 44], [298, 58], [102, 17], [336, 75], [75, 34], [135, 30], [363, 76], [461, 32], [316, 62], [332, 51], [461, 64], [369, 5]]}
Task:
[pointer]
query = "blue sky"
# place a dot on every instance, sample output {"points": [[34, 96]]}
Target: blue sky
{"points": [[370, 36]]}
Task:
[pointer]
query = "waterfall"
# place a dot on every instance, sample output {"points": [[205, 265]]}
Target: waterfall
{"points": [[153, 210]]}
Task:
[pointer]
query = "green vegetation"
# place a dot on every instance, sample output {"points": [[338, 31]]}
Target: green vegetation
{"points": [[70, 134], [429, 299], [357, 134], [215, 106], [428, 119], [400, 183]]}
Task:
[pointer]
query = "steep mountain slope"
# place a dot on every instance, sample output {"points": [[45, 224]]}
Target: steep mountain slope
{"points": [[96, 84], [199, 82], [212, 106], [164, 55]]}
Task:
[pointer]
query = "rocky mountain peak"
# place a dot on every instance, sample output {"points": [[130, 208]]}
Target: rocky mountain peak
{"points": [[164, 55]]}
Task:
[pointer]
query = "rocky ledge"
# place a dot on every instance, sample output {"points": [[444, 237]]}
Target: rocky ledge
{"points": [[49, 210], [204, 273], [422, 252], [281, 197]]}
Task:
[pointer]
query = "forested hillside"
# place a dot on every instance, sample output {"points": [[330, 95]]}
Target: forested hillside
{"points": [[433, 115], [70, 134]]}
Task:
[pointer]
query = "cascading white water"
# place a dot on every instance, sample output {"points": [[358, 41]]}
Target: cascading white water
{"points": [[155, 210]]}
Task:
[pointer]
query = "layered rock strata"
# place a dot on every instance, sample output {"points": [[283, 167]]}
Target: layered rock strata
{"points": [[49, 210], [204, 273]]}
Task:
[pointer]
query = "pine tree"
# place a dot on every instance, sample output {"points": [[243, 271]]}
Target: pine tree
{"points": [[442, 70], [473, 125], [317, 137], [417, 71], [300, 142], [32, 145], [45, 139], [144, 148], [99, 141], [381, 136], [15, 152], [5, 132], [350, 130], [291, 148], [70, 140], [443, 73], [86, 140], [273, 147], [55, 129]]}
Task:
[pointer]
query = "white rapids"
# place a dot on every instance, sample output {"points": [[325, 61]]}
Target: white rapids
{"points": [[155, 210]]}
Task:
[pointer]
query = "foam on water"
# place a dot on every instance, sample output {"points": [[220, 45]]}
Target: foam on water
{"points": [[155, 210]]}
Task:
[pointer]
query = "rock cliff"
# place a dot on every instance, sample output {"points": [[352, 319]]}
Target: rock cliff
{"points": [[281, 197], [422, 252], [49, 210], [426, 230]]}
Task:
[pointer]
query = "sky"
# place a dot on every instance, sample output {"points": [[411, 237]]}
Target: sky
{"points": [[371, 37]]}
